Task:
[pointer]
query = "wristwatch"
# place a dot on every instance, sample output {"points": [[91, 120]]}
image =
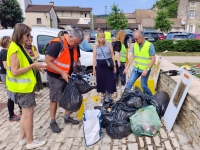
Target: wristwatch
{"points": [[148, 69]]}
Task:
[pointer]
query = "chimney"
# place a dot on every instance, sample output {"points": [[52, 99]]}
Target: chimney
{"points": [[51, 3]]}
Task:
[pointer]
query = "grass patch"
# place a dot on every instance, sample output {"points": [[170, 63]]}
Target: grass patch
{"points": [[189, 64], [171, 53]]}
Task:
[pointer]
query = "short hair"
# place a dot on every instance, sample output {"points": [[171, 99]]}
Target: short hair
{"points": [[139, 32], [77, 33], [4, 41], [20, 29]]}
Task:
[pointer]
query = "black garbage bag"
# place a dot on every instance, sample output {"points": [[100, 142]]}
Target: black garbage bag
{"points": [[151, 101], [121, 111], [163, 99], [134, 102], [82, 86], [71, 98], [108, 101], [79, 70], [118, 129]]}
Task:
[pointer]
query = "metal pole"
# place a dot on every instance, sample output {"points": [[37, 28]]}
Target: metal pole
{"points": [[105, 15]]}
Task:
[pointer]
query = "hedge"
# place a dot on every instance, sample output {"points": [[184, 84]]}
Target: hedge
{"points": [[179, 46]]}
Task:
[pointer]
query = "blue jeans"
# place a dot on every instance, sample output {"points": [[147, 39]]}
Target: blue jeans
{"points": [[144, 79]]}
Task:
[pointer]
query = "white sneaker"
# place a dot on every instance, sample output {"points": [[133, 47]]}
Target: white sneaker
{"points": [[22, 142], [35, 144]]}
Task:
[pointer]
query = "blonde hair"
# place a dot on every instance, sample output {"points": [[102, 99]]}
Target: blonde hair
{"points": [[97, 41], [120, 36], [4, 41]]}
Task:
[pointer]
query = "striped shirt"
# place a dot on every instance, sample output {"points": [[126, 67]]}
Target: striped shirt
{"points": [[106, 51]]}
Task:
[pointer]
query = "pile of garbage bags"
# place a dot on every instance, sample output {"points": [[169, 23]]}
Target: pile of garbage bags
{"points": [[116, 116]]}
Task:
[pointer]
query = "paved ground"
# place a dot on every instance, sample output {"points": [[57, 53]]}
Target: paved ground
{"points": [[71, 137]]}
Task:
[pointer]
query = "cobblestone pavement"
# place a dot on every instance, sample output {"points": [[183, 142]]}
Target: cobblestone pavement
{"points": [[71, 137]]}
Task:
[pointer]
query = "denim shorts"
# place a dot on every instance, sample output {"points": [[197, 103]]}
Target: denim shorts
{"points": [[56, 87], [26, 100]]}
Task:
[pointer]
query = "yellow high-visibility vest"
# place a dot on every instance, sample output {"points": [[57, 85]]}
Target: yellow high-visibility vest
{"points": [[141, 57], [108, 37], [23, 83]]}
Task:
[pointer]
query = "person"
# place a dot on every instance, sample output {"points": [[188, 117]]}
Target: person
{"points": [[120, 55], [60, 60], [108, 37], [127, 46], [21, 80], [105, 76], [144, 59], [98, 31], [34, 54], [5, 42], [31, 49], [62, 33]]}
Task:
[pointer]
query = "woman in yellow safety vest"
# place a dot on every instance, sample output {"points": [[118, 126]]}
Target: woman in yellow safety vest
{"points": [[120, 54], [21, 80]]}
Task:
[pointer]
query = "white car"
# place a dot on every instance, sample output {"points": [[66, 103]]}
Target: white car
{"points": [[42, 36]]}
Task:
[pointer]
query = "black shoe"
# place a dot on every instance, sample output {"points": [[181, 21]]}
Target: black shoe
{"points": [[71, 120], [54, 127]]}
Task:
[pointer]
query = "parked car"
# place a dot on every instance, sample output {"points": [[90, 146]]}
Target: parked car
{"points": [[194, 36], [92, 36], [43, 35], [151, 36], [176, 36], [161, 36]]}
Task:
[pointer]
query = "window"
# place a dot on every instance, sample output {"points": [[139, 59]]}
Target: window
{"points": [[43, 42], [85, 15], [190, 28], [192, 4], [85, 46], [39, 21], [192, 13]]}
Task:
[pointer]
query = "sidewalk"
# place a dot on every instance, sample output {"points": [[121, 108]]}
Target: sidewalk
{"points": [[71, 137], [182, 59]]}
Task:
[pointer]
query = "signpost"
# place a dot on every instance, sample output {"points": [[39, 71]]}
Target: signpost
{"points": [[177, 99]]}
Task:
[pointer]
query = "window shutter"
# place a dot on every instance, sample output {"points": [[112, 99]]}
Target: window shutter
{"points": [[196, 13], [188, 13], [188, 28], [194, 28]]}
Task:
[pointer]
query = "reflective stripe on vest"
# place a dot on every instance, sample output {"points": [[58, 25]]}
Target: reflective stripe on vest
{"points": [[61, 64], [141, 56], [19, 80]]}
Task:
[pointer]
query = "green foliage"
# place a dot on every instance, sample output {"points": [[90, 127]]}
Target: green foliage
{"points": [[10, 13], [170, 5], [162, 22], [178, 46], [117, 19]]}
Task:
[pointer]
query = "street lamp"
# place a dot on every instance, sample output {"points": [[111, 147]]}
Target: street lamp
{"points": [[105, 14]]}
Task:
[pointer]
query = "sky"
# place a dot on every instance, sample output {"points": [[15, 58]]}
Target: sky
{"points": [[98, 6]]}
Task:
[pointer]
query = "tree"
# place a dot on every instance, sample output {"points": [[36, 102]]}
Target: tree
{"points": [[117, 19], [162, 22], [10, 13], [170, 5]]}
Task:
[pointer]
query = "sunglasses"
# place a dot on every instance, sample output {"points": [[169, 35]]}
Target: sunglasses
{"points": [[28, 35], [4, 37]]}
